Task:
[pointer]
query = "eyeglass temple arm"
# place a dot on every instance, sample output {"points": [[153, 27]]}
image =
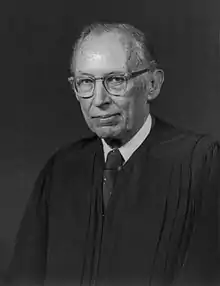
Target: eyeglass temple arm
{"points": [[153, 64], [133, 74], [137, 73]]}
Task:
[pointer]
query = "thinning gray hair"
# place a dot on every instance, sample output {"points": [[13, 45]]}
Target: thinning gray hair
{"points": [[136, 43]]}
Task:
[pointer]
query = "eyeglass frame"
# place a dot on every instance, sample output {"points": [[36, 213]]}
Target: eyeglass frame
{"points": [[127, 76]]}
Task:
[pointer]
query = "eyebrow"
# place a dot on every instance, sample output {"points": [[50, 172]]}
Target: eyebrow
{"points": [[107, 73]]}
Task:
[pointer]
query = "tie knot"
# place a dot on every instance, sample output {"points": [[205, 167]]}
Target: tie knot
{"points": [[114, 160]]}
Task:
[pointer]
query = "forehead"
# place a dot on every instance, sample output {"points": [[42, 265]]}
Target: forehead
{"points": [[100, 54]]}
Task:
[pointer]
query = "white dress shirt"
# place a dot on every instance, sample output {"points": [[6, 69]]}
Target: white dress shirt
{"points": [[128, 149]]}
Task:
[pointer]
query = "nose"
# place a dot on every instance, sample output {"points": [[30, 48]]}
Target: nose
{"points": [[101, 96]]}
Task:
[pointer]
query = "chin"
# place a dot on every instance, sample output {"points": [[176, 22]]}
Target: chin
{"points": [[108, 132]]}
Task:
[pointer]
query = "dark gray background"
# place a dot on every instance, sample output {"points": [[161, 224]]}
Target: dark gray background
{"points": [[38, 111]]}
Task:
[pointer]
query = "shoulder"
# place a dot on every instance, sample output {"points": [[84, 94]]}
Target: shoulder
{"points": [[177, 142], [81, 146], [71, 152], [66, 158]]}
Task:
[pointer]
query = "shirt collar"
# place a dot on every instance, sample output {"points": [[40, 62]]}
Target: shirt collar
{"points": [[128, 149]]}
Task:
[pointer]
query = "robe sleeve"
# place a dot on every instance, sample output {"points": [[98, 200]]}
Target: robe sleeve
{"points": [[28, 263], [210, 215], [202, 266], [212, 160], [215, 179]]}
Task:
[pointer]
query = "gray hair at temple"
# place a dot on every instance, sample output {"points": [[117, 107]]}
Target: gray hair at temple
{"points": [[137, 45]]}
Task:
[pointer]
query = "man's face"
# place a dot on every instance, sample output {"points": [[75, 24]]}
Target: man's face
{"points": [[109, 116]]}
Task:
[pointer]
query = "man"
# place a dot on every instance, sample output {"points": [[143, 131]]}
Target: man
{"points": [[143, 214]]}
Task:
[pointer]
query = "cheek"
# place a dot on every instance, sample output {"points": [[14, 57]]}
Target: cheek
{"points": [[131, 114], [85, 106], [85, 111], [128, 114], [135, 111]]}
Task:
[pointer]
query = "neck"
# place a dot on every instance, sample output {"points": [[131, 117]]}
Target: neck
{"points": [[114, 142]]}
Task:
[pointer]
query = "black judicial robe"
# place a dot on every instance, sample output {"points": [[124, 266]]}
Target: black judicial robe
{"points": [[160, 228]]}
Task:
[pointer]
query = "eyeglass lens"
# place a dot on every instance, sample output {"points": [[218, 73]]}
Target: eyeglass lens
{"points": [[114, 84]]}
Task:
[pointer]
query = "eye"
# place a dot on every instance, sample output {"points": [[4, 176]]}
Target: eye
{"points": [[116, 80], [84, 81]]}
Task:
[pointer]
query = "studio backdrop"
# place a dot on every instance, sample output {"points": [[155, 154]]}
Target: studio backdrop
{"points": [[39, 112]]}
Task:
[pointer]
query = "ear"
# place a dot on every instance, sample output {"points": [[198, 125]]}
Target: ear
{"points": [[77, 97], [155, 83]]}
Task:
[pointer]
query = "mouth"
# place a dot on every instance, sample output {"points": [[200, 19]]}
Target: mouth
{"points": [[106, 116], [108, 119]]}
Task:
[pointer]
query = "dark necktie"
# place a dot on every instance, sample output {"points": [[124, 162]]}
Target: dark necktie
{"points": [[112, 167]]}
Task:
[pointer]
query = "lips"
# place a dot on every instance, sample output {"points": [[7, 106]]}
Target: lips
{"points": [[106, 116], [107, 119]]}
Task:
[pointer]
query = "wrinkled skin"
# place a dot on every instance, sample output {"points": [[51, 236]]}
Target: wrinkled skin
{"points": [[99, 55]]}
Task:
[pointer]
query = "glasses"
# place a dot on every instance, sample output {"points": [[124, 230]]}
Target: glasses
{"points": [[114, 83]]}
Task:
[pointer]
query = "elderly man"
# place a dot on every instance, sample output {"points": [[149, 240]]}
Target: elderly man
{"points": [[137, 203]]}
